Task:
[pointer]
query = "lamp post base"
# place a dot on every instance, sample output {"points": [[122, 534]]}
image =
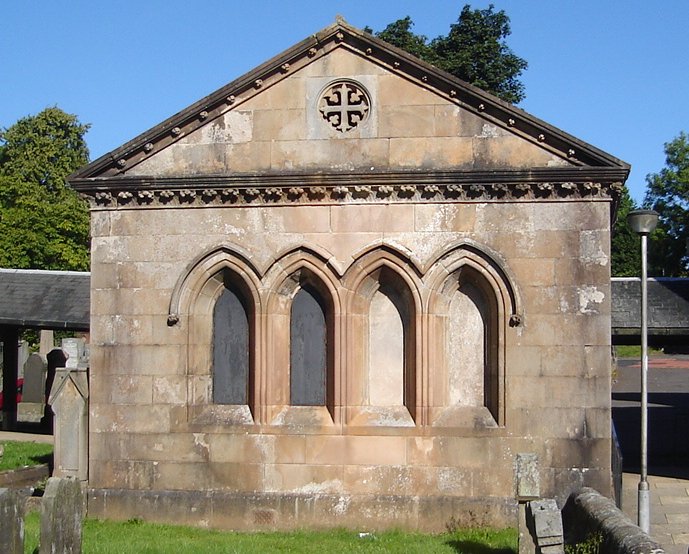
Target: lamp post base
{"points": [[643, 508]]}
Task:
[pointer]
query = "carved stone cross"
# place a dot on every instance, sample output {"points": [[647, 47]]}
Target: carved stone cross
{"points": [[344, 106]]}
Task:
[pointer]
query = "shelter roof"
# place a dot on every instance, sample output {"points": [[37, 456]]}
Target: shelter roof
{"points": [[45, 299]]}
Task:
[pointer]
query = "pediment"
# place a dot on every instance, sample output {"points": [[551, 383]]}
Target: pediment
{"points": [[414, 118]]}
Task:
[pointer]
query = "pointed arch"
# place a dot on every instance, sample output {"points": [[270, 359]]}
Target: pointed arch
{"points": [[195, 276], [385, 308], [486, 260], [232, 344], [303, 309], [472, 301], [216, 302]]}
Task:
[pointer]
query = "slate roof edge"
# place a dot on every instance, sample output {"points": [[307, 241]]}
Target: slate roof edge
{"points": [[44, 272], [45, 324], [658, 279], [315, 46]]}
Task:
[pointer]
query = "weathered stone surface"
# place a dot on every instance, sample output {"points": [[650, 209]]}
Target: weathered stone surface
{"points": [[527, 476], [11, 521], [62, 515], [24, 476], [547, 525], [587, 512], [69, 402], [276, 511]]}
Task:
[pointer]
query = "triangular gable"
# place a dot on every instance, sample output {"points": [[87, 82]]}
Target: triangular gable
{"points": [[539, 145]]}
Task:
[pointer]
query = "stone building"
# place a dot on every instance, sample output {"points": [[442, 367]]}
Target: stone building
{"points": [[347, 289]]}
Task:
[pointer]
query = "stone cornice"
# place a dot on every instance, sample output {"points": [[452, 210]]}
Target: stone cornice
{"points": [[389, 187]]}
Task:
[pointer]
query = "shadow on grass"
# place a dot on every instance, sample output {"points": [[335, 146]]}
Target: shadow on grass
{"points": [[44, 459], [473, 547]]}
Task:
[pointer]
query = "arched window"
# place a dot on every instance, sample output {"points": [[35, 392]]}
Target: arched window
{"points": [[308, 349], [389, 363], [471, 344], [389, 325], [231, 347]]}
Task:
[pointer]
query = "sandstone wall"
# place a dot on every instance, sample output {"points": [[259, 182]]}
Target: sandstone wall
{"points": [[153, 427]]}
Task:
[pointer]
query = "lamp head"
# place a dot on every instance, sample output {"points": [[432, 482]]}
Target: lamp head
{"points": [[642, 222]]}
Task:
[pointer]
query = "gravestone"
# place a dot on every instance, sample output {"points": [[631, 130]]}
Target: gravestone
{"points": [[547, 526], [69, 402], [11, 522], [32, 406], [56, 358], [527, 482], [74, 348], [62, 514], [47, 342], [22, 355]]}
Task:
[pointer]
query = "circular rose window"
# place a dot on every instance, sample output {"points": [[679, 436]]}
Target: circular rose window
{"points": [[344, 105]]}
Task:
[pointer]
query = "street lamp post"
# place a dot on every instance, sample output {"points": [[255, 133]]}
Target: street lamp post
{"points": [[643, 222]]}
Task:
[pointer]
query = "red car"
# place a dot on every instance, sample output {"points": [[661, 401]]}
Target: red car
{"points": [[20, 386]]}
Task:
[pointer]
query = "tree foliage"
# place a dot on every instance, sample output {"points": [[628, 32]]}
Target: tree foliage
{"points": [[44, 224], [474, 50], [625, 251], [668, 193]]}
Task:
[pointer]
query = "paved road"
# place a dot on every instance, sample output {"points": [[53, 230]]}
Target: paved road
{"points": [[12, 436], [668, 444]]}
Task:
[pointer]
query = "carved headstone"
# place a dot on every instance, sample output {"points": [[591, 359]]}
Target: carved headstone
{"points": [[74, 348], [62, 515], [33, 394], [527, 477], [527, 484], [47, 342], [11, 522], [56, 358], [547, 526], [69, 402]]}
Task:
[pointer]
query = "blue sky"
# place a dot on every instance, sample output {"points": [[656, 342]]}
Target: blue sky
{"points": [[613, 73]]}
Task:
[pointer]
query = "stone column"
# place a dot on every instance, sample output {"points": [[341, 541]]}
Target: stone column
{"points": [[528, 487], [69, 402]]}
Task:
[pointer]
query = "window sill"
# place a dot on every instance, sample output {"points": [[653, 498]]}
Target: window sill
{"points": [[303, 416], [381, 416], [220, 414], [471, 417]]}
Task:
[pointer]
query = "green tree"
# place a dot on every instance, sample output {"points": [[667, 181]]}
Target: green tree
{"points": [[44, 224], [474, 50], [668, 193], [625, 252]]}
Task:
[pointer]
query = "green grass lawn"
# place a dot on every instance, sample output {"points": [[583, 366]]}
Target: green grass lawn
{"points": [[634, 351], [19, 454], [106, 537]]}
